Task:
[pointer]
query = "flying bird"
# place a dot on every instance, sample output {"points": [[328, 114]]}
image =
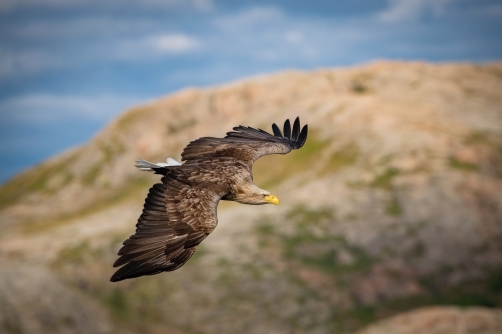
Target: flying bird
{"points": [[180, 212]]}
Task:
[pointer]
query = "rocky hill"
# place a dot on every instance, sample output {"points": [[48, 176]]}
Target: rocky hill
{"points": [[395, 202]]}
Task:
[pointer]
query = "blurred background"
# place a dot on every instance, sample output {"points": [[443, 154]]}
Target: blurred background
{"points": [[391, 215]]}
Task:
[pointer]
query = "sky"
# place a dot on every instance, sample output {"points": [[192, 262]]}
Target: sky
{"points": [[68, 67]]}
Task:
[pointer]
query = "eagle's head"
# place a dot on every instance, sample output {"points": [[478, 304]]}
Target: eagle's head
{"points": [[251, 194]]}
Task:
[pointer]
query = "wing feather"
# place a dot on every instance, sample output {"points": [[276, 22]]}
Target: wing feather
{"points": [[176, 218], [277, 131], [303, 136], [247, 144], [296, 130], [287, 129]]}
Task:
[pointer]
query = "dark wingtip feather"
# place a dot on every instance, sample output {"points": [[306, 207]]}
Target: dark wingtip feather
{"points": [[303, 136], [287, 129], [296, 129], [117, 276], [277, 131], [114, 278]]}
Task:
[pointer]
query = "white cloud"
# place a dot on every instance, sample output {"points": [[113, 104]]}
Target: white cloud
{"points": [[15, 64], [402, 10], [294, 37], [172, 44], [154, 46]]}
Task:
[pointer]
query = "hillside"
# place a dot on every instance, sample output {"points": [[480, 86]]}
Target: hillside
{"points": [[394, 202]]}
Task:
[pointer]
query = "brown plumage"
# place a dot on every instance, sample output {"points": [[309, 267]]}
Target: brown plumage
{"points": [[180, 212]]}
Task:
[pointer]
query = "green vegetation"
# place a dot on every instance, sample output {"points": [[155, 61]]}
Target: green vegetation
{"points": [[265, 229], [272, 170], [74, 254], [311, 242], [111, 148], [393, 208], [92, 173], [174, 128], [12, 326], [356, 184], [359, 88], [346, 156], [199, 254], [416, 252], [49, 177], [132, 116], [384, 180], [494, 287], [108, 151], [412, 229], [303, 215], [471, 293], [360, 81], [485, 291], [477, 137], [347, 321], [117, 302], [37, 180], [491, 158], [466, 294], [465, 166], [322, 252]]}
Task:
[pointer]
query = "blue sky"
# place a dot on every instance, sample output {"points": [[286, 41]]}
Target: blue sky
{"points": [[67, 67]]}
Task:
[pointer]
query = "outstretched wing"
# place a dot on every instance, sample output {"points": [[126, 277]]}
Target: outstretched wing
{"points": [[247, 144], [176, 218]]}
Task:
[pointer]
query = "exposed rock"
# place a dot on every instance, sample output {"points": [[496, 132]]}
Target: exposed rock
{"points": [[441, 320]]}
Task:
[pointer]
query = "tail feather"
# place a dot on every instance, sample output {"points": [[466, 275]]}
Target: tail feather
{"points": [[148, 166]]}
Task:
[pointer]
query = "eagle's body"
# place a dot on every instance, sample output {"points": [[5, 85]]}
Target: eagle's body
{"points": [[180, 212]]}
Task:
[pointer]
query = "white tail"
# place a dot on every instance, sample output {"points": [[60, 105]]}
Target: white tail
{"points": [[172, 162], [149, 166]]}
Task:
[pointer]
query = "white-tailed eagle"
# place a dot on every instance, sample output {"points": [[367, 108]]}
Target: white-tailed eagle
{"points": [[180, 212]]}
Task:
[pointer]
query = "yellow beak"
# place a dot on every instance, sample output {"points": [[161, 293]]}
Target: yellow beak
{"points": [[272, 199]]}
